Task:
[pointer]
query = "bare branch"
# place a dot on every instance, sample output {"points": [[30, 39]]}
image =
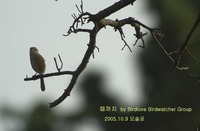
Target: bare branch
{"points": [[92, 43], [81, 67], [80, 11], [140, 36], [99, 20], [58, 69], [111, 9], [122, 37], [35, 77], [186, 42], [74, 27]]}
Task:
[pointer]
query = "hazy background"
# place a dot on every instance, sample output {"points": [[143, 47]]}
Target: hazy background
{"points": [[142, 78]]}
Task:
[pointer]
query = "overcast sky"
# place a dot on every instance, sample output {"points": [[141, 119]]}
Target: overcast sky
{"points": [[41, 23]]}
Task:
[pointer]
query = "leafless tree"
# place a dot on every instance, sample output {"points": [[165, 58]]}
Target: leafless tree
{"points": [[100, 20]]}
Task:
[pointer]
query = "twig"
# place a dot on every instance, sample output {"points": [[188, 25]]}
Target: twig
{"points": [[186, 42], [193, 57], [58, 69], [122, 37], [140, 36]]}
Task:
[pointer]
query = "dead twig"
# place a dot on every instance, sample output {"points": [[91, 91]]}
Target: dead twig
{"points": [[183, 45], [58, 69]]}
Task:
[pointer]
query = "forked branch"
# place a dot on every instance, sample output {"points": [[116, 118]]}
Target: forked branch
{"points": [[99, 21], [82, 19]]}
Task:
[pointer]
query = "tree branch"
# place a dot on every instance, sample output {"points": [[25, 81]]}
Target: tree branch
{"points": [[35, 77], [92, 42], [81, 67], [111, 9], [182, 46], [99, 20]]}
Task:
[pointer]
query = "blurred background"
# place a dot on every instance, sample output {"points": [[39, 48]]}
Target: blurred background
{"points": [[143, 78]]}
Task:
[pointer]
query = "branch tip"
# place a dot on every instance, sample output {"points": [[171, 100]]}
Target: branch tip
{"points": [[61, 66]]}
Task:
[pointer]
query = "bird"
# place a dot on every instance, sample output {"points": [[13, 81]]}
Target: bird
{"points": [[38, 64]]}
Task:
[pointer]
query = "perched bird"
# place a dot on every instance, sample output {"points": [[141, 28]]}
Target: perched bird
{"points": [[38, 64]]}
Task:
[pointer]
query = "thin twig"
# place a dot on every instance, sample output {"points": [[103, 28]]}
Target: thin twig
{"points": [[140, 36], [186, 42], [58, 69], [122, 37], [78, 8]]}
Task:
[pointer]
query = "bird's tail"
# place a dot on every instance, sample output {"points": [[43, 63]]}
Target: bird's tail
{"points": [[42, 84]]}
